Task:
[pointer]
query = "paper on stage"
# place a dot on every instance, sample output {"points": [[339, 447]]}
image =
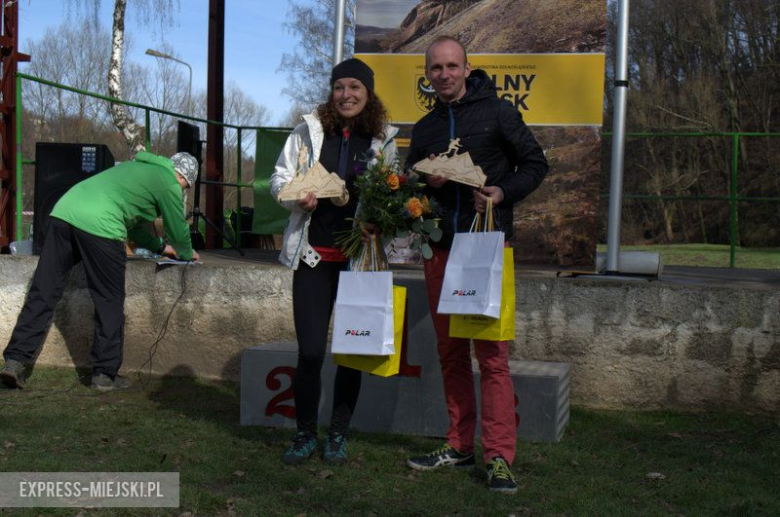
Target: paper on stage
{"points": [[164, 261]]}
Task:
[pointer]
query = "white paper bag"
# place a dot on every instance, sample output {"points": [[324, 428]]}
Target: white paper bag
{"points": [[472, 278], [363, 320]]}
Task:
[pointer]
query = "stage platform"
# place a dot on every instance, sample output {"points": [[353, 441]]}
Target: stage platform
{"points": [[694, 339], [761, 279]]}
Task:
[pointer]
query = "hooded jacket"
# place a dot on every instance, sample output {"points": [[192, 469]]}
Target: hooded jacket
{"points": [[494, 134], [295, 243], [120, 202]]}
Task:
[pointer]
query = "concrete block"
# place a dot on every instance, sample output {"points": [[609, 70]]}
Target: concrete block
{"points": [[542, 398], [411, 402], [400, 404]]}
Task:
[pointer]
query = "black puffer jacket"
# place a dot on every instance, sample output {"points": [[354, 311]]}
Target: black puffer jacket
{"points": [[494, 134]]}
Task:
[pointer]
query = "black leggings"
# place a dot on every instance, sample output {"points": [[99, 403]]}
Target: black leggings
{"points": [[314, 292]]}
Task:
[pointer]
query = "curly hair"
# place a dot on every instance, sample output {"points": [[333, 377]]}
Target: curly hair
{"points": [[371, 121]]}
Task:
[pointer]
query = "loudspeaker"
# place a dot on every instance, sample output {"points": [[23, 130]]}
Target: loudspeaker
{"points": [[58, 167], [188, 140]]}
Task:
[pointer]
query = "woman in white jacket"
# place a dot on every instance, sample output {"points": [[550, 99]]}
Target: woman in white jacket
{"points": [[344, 135]]}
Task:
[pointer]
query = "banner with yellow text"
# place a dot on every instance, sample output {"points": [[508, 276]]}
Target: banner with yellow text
{"points": [[548, 89], [546, 58]]}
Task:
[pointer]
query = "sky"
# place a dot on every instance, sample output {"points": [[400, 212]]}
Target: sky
{"points": [[254, 41]]}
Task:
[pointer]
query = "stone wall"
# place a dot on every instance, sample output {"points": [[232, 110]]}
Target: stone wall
{"points": [[631, 344]]}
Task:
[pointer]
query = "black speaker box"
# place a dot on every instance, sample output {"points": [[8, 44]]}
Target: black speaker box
{"points": [[58, 167], [188, 140]]}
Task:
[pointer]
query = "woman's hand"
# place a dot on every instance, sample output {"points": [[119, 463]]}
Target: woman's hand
{"points": [[308, 202]]}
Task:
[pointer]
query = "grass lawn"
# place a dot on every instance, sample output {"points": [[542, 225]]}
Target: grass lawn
{"points": [[710, 255], [608, 463]]}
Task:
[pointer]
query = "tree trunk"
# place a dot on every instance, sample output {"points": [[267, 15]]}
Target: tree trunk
{"points": [[122, 119], [658, 169]]}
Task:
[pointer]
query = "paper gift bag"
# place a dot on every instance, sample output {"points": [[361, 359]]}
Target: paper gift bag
{"points": [[384, 366], [363, 319], [492, 329], [472, 277]]}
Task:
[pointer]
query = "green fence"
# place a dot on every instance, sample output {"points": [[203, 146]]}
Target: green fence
{"points": [[732, 198], [270, 140], [148, 110]]}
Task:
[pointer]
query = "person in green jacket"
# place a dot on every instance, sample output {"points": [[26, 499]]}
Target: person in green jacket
{"points": [[90, 224]]}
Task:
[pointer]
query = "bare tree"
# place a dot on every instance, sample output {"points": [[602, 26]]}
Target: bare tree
{"points": [[703, 66], [294, 116], [71, 56], [240, 110], [308, 66], [159, 11], [163, 86]]}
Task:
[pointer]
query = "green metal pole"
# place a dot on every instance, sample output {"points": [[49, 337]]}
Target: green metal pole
{"points": [[239, 182], [733, 202], [19, 181]]}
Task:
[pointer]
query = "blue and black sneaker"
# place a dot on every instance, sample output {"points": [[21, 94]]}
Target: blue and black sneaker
{"points": [[444, 456], [303, 446], [499, 476], [335, 448]]}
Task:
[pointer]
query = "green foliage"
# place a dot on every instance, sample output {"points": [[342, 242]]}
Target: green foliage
{"points": [[702, 464], [710, 255]]}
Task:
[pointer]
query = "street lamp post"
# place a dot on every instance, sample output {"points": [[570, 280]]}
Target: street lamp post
{"points": [[163, 55]]}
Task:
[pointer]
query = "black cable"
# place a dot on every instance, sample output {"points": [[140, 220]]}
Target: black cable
{"points": [[152, 353], [163, 331]]}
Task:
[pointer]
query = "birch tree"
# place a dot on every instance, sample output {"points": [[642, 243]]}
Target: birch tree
{"points": [[160, 11]]}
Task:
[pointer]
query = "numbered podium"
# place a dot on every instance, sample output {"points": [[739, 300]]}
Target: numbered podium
{"points": [[411, 402]]}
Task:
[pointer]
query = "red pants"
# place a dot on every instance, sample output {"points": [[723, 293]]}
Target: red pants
{"points": [[498, 427]]}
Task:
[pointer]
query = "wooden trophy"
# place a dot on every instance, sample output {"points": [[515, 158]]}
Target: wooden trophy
{"points": [[314, 179], [453, 166]]}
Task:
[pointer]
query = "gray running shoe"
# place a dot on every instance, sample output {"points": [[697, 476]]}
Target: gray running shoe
{"points": [[12, 374], [102, 382]]}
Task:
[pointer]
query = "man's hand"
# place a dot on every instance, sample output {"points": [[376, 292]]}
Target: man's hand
{"points": [[170, 252], [308, 202], [481, 196], [434, 180], [368, 230]]}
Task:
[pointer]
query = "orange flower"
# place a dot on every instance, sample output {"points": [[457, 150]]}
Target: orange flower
{"points": [[393, 181], [426, 205], [415, 207]]}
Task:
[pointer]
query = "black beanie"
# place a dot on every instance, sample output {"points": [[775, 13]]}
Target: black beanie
{"points": [[356, 69]]}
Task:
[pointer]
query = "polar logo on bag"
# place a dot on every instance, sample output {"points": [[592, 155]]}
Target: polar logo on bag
{"points": [[463, 292], [362, 333]]}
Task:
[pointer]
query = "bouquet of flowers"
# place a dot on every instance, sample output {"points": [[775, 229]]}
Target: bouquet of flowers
{"points": [[391, 201]]}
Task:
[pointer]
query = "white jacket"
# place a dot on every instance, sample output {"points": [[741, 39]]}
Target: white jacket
{"points": [[295, 245]]}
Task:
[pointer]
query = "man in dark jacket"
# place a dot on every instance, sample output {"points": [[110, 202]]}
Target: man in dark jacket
{"points": [[90, 224], [494, 134]]}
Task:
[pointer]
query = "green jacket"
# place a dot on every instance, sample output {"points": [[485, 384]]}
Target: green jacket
{"points": [[119, 201]]}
